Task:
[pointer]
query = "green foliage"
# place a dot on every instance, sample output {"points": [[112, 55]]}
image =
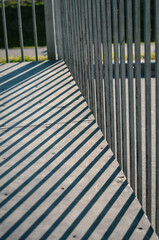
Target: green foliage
{"points": [[14, 59], [24, 3]]}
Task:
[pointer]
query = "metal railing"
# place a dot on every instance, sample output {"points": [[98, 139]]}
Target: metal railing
{"points": [[122, 94], [92, 36], [20, 29]]}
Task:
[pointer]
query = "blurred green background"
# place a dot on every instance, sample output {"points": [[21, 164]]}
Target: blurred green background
{"points": [[12, 23]]}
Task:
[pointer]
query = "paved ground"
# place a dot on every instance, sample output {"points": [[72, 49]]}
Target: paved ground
{"points": [[42, 51], [59, 179]]}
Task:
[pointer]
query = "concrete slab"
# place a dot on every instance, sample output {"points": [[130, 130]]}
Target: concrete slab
{"points": [[59, 178]]}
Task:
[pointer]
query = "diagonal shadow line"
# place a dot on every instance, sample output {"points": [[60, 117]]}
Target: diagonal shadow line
{"points": [[102, 214], [36, 127], [42, 74], [42, 143], [6, 69], [134, 225], [33, 105], [7, 89], [149, 233], [40, 116], [46, 165], [37, 186], [22, 77], [44, 121], [72, 185], [36, 91], [79, 197], [18, 95], [65, 83], [39, 109], [25, 68], [27, 155], [39, 95], [19, 70], [84, 212], [27, 79], [119, 217], [43, 198]]}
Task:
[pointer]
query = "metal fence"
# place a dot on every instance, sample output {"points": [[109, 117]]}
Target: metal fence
{"points": [[92, 36], [20, 28]]}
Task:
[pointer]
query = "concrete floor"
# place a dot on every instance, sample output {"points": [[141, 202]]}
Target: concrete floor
{"points": [[59, 179]]}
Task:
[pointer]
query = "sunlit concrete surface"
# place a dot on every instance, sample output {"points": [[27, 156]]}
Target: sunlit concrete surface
{"points": [[59, 179]]}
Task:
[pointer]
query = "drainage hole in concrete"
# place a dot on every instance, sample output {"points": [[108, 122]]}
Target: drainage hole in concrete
{"points": [[140, 228], [62, 188], [121, 177], [74, 236], [6, 194]]}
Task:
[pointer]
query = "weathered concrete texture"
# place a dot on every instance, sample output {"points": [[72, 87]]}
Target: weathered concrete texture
{"points": [[59, 179]]}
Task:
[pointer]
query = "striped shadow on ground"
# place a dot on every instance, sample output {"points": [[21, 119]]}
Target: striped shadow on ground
{"points": [[59, 178]]}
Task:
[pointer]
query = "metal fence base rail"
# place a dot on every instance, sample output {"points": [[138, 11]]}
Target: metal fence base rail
{"points": [[119, 93]]}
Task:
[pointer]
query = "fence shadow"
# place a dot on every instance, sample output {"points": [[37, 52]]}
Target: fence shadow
{"points": [[57, 169]]}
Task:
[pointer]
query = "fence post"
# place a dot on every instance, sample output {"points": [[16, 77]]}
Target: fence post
{"points": [[50, 31], [58, 29]]}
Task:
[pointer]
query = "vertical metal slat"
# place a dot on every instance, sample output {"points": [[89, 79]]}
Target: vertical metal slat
{"points": [[131, 94], [73, 55], [67, 35], [100, 65], [84, 49], [75, 52], [69, 39], [62, 27], [87, 47], [5, 31], [123, 87], [137, 36], [91, 64], [105, 72], [157, 111], [148, 106], [96, 60], [79, 46], [110, 72], [117, 84], [20, 30], [35, 30], [58, 20]]}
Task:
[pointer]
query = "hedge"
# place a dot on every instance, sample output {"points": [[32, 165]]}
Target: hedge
{"points": [[12, 24]]}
